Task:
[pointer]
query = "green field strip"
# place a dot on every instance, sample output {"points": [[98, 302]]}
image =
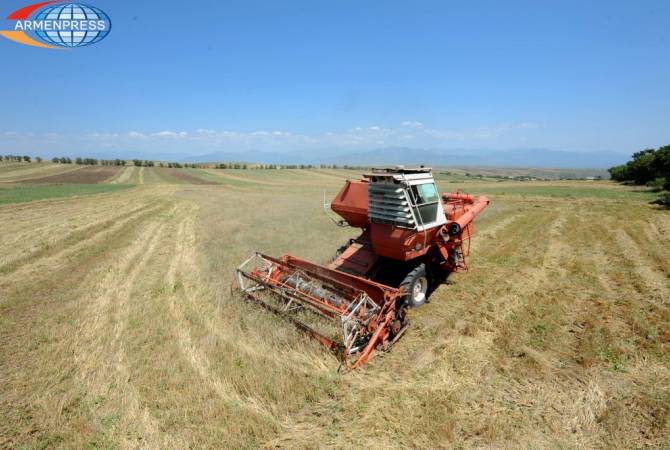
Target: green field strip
{"points": [[30, 193]]}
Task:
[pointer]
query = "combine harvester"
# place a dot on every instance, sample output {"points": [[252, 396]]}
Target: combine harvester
{"points": [[412, 240]]}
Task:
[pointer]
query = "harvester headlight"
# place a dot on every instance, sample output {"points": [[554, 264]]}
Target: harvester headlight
{"points": [[418, 246]]}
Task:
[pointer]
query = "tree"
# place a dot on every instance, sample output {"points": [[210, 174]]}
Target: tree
{"points": [[640, 169], [619, 173], [661, 164], [26, 158], [38, 159], [647, 166]]}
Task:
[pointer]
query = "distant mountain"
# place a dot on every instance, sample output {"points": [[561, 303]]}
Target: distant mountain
{"points": [[251, 156], [394, 155], [516, 158], [534, 158]]}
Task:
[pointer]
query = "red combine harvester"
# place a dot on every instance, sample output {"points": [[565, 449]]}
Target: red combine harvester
{"points": [[412, 239]]}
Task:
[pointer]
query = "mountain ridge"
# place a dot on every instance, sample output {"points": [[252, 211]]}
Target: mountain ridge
{"points": [[541, 158]]}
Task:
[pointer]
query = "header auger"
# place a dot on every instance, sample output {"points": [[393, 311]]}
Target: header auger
{"points": [[411, 240]]}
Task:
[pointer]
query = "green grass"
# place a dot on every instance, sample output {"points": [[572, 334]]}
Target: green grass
{"points": [[29, 193], [595, 191]]}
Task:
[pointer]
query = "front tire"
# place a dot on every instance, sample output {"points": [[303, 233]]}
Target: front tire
{"points": [[415, 285]]}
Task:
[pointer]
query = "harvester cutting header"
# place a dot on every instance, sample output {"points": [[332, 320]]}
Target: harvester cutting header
{"points": [[412, 239]]}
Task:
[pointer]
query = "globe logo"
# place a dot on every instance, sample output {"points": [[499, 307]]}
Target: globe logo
{"points": [[58, 24], [70, 37]]}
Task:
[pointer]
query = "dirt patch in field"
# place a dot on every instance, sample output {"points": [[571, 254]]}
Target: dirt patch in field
{"points": [[85, 175], [186, 177]]}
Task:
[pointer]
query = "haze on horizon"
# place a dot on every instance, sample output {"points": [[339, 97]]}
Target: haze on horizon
{"points": [[341, 77]]}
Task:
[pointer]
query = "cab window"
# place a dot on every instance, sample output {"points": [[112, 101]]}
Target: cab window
{"points": [[425, 202]]}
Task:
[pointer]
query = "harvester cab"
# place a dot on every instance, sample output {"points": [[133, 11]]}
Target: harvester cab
{"points": [[411, 239], [404, 198]]}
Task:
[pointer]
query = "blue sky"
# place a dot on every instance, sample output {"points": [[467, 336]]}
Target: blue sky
{"points": [[317, 76]]}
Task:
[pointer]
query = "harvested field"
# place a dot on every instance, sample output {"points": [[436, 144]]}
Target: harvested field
{"points": [[187, 176], [12, 173], [83, 175], [162, 175], [119, 328]]}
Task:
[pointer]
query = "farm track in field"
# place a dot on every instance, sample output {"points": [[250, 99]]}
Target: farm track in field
{"points": [[125, 175], [56, 220], [101, 334], [50, 254], [40, 288]]}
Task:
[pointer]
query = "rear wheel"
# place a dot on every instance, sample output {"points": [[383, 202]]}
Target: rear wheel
{"points": [[416, 286]]}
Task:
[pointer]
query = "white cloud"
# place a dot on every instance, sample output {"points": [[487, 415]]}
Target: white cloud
{"points": [[170, 134], [412, 124], [363, 137], [103, 136]]}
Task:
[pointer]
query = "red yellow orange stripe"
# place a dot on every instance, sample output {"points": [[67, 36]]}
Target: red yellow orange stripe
{"points": [[23, 38], [25, 12]]}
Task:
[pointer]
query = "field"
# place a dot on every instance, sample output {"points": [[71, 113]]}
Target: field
{"points": [[119, 329]]}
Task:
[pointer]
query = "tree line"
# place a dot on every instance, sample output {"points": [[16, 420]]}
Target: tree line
{"points": [[286, 166], [648, 167], [17, 158], [651, 167], [150, 163]]}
